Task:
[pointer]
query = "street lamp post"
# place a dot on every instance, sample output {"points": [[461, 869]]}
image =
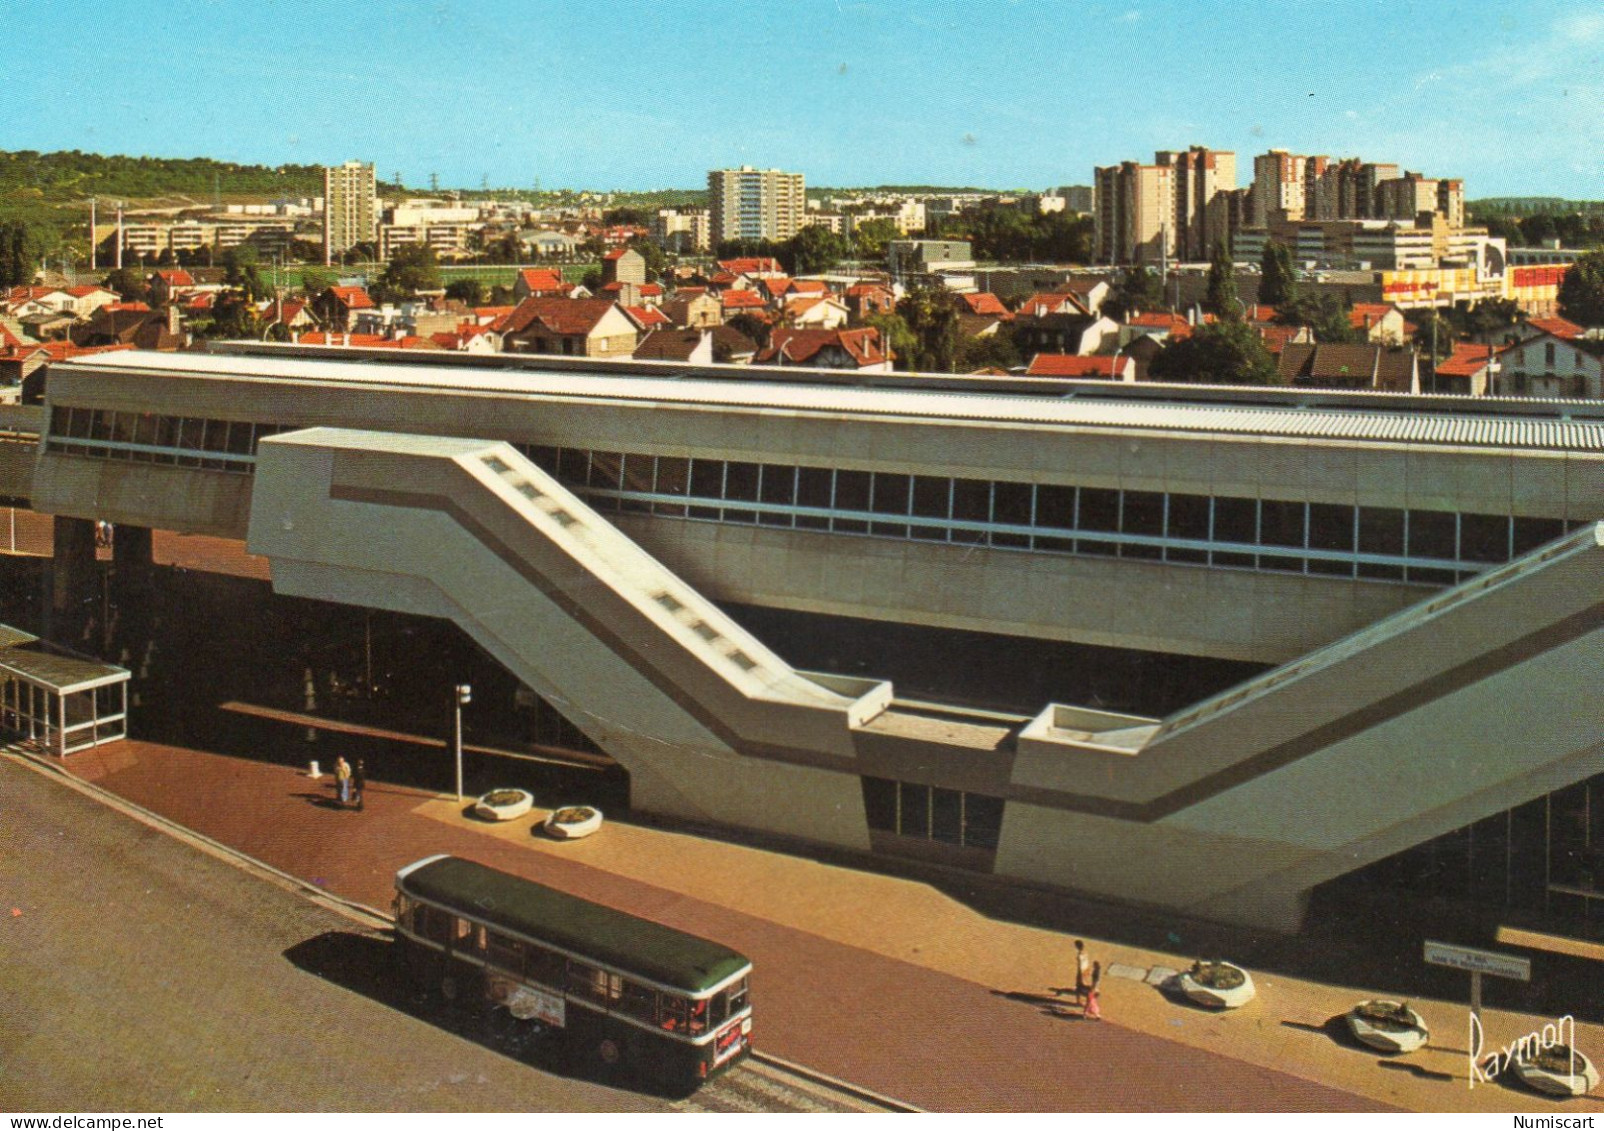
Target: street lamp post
{"points": [[464, 695]]}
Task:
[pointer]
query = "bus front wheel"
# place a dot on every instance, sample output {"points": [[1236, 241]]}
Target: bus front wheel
{"points": [[609, 1052]]}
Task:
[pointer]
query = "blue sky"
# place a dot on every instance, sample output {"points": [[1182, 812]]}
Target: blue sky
{"points": [[1006, 93]]}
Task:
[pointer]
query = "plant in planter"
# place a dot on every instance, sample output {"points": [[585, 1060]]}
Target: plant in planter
{"points": [[1217, 985], [573, 821], [504, 804], [1390, 1026], [1557, 1070]]}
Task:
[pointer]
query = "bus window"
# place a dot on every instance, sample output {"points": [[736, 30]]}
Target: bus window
{"points": [[436, 925], [505, 953], [698, 1023], [587, 982], [738, 997], [544, 966], [672, 1012], [639, 1002], [719, 1011]]}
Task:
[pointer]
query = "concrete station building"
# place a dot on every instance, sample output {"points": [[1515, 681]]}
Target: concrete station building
{"points": [[1417, 581]]}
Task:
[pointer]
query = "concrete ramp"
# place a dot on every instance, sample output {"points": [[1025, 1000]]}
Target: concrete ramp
{"points": [[648, 668]]}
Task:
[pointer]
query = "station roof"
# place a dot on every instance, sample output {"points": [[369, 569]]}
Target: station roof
{"points": [[61, 674], [1421, 423]]}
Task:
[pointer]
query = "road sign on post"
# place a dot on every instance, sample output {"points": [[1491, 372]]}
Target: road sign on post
{"points": [[1477, 963]]}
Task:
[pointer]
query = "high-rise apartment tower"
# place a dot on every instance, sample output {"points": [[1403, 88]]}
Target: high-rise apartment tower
{"points": [[748, 203], [350, 208]]}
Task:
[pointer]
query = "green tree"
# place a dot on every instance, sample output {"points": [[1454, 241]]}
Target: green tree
{"points": [[871, 237], [411, 269], [993, 350], [316, 282], [1220, 295], [1222, 353], [1323, 312], [129, 282], [1278, 278], [745, 248], [1432, 331], [1581, 292], [232, 317], [500, 296], [813, 250], [634, 217], [240, 270], [469, 292], [1136, 289], [592, 280], [16, 262], [656, 258], [752, 326], [894, 331], [933, 320]]}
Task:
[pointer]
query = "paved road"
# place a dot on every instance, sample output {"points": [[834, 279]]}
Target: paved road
{"points": [[144, 975]]}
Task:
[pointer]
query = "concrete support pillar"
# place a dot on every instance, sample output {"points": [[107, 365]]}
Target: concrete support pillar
{"points": [[74, 581]]}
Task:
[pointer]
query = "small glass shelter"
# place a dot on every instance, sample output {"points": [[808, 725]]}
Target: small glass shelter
{"points": [[58, 704]]}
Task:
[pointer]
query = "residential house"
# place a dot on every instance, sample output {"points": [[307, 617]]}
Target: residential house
{"points": [[577, 327], [1089, 291], [132, 324], [688, 310], [988, 305], [24, 366], [170, 284], [1551, 366], [1059, 324], [694, 346], [623, 265], [25, 302], [294, 315], [1349, 366], [648, 318], [741, 302], [336, 306], [732, 347], [88, 299], [864, 299], [469, 338], [753, 267], [1379, 322], [823, 312], [1119, 367], [540, 282], [859, 350], [1468, 371]]}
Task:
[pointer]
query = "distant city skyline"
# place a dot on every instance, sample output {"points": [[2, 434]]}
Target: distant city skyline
{"points": [[640, 96]]}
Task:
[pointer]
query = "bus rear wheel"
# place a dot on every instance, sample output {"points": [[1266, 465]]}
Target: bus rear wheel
{"points": [[609, 1052]]}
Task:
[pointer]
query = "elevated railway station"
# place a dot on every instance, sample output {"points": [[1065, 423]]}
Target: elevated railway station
{"points": [[1420, 581]]}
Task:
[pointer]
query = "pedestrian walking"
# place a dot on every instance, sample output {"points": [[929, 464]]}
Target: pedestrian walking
{"points": [[342, 779], [1093, 1010], [1083, 971], [359, 783]]}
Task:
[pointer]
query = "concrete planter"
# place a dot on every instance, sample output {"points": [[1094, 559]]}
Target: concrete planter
{"points": [[1217, 985], [504, 804], [573, 822], [1388, 1026], [1551, 1072]]}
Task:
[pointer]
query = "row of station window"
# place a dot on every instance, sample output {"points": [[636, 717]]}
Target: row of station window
{"points": [[1297, 537], [544, 966], [1332, 539], [931, 812]]}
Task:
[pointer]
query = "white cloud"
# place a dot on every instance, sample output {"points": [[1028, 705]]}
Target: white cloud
{"points": [[1129, 17]]}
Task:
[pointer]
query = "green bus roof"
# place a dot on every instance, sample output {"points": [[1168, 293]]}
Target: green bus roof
{"points": [[612, 938]]}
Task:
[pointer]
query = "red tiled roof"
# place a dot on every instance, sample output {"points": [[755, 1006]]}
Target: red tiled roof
{"points": [[724, 278], [752, 265], [8, 340], [1467, 360], [60, 351], [689, 292], [1275, 336], [798, 347], [858, 290], [647, 316], [24, 294], [986, 303], [1070, 365], [559, 315], [491, 313], [810, 286], [85, 292], [176, 277], [543, 279], [200, 302], [777, 287], [1051, 302], [1559, 327], [115, 306], [1363, 315], [354, 298], [741, 300]]}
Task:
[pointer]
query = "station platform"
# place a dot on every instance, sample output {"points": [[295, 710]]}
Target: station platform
{"points": [[894, 984]]}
